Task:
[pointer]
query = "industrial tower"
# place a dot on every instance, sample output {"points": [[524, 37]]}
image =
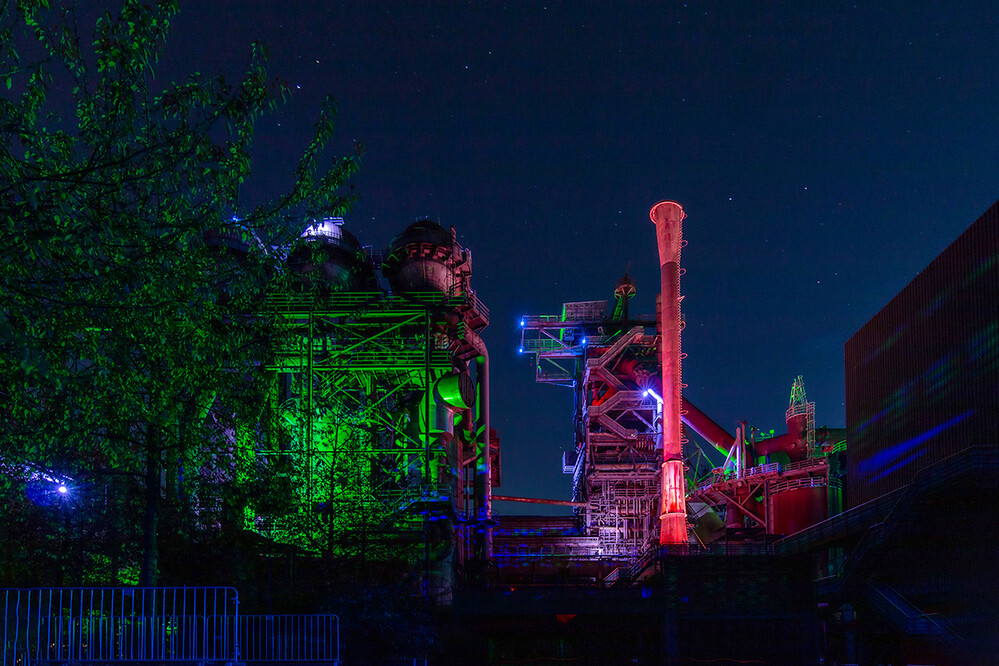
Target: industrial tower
{"points": [[379, 408], [639, 484]]}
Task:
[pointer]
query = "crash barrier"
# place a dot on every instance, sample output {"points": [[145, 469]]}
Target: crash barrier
{"points": [[289, 638], [124, 624], [156, 624]]}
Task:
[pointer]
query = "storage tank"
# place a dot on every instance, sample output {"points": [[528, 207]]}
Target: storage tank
{"points": [[797, 508], [420, 259], [328, 258]]}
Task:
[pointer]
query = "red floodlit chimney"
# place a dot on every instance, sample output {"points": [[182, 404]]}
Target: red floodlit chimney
{"points": [[667, 216]]}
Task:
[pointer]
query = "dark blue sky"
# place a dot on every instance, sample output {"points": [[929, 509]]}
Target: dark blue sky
{"points": [[824, 154]]}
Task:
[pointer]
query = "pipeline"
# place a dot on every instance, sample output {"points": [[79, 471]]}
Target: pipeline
{"points": [[706, 427], [483, 481], [535, 500], [690, 414]]}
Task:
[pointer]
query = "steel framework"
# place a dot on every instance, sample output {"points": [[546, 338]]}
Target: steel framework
{"points": [[759, 496], [617, 456], [361, 437], [376, 430]]}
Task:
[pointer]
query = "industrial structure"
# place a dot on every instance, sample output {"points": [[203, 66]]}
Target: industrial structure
{"points": [[858, 558], [377, 422], [376, 432], [639, 480]]}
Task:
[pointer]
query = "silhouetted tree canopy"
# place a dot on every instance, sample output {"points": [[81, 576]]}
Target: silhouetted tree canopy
{"points": [[129, 326]]}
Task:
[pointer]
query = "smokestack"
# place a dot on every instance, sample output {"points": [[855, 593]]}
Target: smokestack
{"points": [[667, 216]]}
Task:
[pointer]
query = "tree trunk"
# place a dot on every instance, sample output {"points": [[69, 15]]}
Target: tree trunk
{"points": [[150, 523]]}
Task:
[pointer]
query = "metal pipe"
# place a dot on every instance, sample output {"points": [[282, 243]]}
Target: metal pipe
{"points": [[793, 442], [667, 216], [483, 479], [690, 414], [706, 427], [535, 500], [778, 444], [483, 472]]}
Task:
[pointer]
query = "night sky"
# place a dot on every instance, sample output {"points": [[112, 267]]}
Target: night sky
{"points": [[824, 154]]}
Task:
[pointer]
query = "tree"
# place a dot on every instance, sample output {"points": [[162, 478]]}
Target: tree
{"points": [[127, 344]]}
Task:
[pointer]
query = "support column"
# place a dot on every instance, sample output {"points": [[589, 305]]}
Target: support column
{"points": [[483, 482]]}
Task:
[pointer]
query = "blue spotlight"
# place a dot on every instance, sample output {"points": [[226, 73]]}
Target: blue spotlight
{"points": [[44, 490]]}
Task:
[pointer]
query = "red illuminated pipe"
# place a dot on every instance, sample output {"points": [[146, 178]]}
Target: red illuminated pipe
{"points": [[690, 414], [535, 500], [771, 445], [667, 216], [793, 443], [704, 426]]}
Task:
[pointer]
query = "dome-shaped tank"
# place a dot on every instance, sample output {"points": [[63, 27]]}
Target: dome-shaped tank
{"points": [[418, 259], [328, 258]]}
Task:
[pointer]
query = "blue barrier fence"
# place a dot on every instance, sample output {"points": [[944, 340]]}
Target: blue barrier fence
{"points": [[156, 625]]}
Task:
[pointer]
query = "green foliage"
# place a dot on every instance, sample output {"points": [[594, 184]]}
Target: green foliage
{"points": [[127, 346]]}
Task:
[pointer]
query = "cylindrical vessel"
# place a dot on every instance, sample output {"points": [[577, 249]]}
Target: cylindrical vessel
{"points": [[329, 258], [798, 508], [667, 216], [418, 260], [797, 430]]}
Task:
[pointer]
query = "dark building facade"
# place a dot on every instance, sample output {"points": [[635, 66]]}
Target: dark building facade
{"points": [[918, 564], [922, 376]]}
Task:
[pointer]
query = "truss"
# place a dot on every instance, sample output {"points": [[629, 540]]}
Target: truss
{"points": [[354, 436]]}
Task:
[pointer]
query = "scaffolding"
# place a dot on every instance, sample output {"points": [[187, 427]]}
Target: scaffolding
{"points": [[358, 434], [798, 404], [616, 454]]}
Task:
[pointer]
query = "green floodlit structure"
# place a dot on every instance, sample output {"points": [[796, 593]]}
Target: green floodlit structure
{"points": [[379, 405]]}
